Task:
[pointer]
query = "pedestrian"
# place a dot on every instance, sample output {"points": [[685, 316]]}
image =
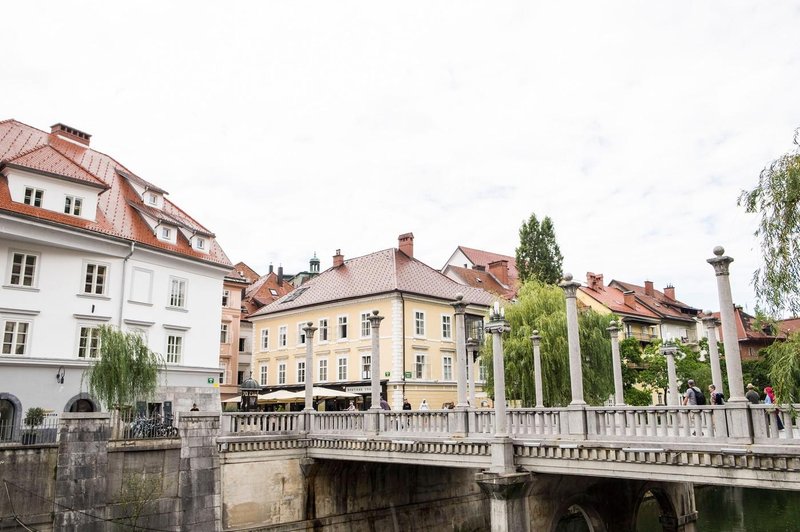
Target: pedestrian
{"points": [[384, 404], [351, 406], [194, 408], [692, 394], [752, 395], [424, 405], [406, 404], [716, 397], [769, 399]]}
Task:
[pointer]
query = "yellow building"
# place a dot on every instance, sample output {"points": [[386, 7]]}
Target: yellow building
{"points": [[417, 335]]}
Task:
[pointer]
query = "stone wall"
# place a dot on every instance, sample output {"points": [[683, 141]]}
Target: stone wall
{"points": [[30, 473]]}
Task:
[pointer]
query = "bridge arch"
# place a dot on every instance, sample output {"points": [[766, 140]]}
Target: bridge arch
{"points": [[668, 515], [576, 508]]}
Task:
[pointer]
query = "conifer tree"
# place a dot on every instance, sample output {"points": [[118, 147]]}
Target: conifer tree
{"points": [[538, 255]]}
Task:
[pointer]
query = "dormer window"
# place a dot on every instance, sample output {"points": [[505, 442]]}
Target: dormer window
{"points": [[152, 199], [33, 196], [72, 205], [166, 233], [201, 243]]}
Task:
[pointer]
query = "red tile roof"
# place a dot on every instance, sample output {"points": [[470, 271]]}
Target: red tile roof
{"points": [[381, 272], [243, 270], [30, 148], [483, 258], [745, 327], [613, 299], [659, 303], [480, 279], [259, 294]]}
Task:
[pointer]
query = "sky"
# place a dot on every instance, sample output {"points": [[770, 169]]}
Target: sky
{"points": [[294, 128]]}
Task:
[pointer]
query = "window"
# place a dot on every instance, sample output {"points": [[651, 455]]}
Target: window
{"points": [[323, 369], [273, 292], [323, 330], [226, 296], [482, 374], [264, 339], [419, 323], [177, 292], [342, 327], [447, 328], [365, 329], [89, 342], [282, 336], [282, 373], [33, 196], [301, 371], [152, 199], [174, 348], [301, 334], [223, 370], [419, 366], [242, 345], [342, 368], [15, 337], [23, 269], [223, 333], [201, 243], [447, 368], [366, 366], [166, 233], [263, 374], [94, 280], [72, 205]]}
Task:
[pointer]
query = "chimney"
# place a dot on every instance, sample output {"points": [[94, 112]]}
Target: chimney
{"points": [[406, 244], [70, 133], [280, 275], [270, 267], [648, 288], [338, 259], [499, 269], [594, 280], [669, 291], [630, 298]]}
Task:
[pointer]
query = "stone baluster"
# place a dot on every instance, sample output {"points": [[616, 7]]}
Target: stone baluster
{"points": [[710, 323], [309, 330], [537, 369], [619, 397]]}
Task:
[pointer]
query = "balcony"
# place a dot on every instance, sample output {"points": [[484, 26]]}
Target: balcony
{"points": [[641, 336]]}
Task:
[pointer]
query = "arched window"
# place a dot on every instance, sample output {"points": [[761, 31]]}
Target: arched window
{"points": [[82, 402], [10, 416]]}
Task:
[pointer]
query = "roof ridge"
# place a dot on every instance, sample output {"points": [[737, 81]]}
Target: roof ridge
{"points": [[64, 156]]}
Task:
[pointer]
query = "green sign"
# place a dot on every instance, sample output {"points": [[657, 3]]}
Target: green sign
{"points": [[387, 373], [211, 380], [408, 374]]}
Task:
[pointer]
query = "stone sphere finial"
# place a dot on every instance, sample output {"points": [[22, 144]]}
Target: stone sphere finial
{"points": [[719, 251], [310, 323], [707, 313], [375, 312], [535, 332], [568, 277], [459, 296]]}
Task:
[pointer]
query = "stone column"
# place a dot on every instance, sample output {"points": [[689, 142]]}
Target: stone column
{"points": [[674, 396], [199, 481], [619, 396], [508, 499], [575, 369], [472, 349], [497, 326], [537, 369], [309, 329], [461, 352], [710, 323], [733, 360], [375, 359]]}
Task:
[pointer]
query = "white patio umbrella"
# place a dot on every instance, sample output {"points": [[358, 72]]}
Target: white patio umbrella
{"points": [[321, 392], [279, 396]]}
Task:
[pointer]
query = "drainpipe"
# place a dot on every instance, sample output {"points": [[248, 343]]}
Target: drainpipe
{"points": [[403, 315], [124, 272]]}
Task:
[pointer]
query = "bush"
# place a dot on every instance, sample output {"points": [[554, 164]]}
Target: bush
{"points": [[34, 416]]}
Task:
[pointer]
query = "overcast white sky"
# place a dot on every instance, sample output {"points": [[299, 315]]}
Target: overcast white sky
{"points": [[289, 128]]}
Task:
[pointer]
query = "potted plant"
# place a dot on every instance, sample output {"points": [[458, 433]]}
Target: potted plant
{"points": [[33, 418]]}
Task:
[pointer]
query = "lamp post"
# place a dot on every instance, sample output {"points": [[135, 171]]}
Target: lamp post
{"points": [[710, 323], [497, 326], [669, 350], [375, 359], [537, 369], [461, 351], [309, 329], [249, 392], [472, 351], [619, 397]]}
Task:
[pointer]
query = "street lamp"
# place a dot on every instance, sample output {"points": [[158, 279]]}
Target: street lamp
{"points": [[249, 391]]}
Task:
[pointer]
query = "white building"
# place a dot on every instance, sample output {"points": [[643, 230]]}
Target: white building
{"points": [[85, 242]]}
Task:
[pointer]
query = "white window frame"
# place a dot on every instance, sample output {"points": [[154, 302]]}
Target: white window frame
{"points": [[283, 336], [282, 373], [95, 278], [265, 339], [263, 370], [322, 370], [340, 368], [301, 370], [447, 327], [447, 367], [366, 366], [224, 333], [165, 233], [200, 243], [177, 299], [301, 334], [11, 339], [25, 255], [421, 369], [173, 352], [322, 330], [365, 324], [223, 373], [226, 298], [482, 371], [419, 323], [90, 352], [73, 205], [33, 196], [341, 321]]}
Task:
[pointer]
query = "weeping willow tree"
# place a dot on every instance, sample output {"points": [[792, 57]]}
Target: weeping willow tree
{"points": [[126, 370], [783, 359], [541, 307]]}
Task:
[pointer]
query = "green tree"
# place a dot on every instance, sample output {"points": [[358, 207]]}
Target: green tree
{"points": [[776, 199], [783, 360], [126, 370], [538, 254], [654, 375], [541, 307], [630, 351]]}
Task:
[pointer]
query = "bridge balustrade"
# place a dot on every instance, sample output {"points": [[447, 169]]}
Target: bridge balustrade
{"points": [[427, 422], [766, 428], [263, 423], [537, 422], [675, 423], [347, 422]]}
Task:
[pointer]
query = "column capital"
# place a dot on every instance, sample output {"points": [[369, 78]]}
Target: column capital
{"points": [[570, 287], [709, 320], [535, 338], [668, 350], [720, 262], [472, 343], [497, 326], [613, 329], [309, 329], [459, 305], [375, 320]]}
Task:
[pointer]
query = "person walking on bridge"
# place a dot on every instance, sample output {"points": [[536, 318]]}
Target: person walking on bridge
{"points": [[692, 394]]}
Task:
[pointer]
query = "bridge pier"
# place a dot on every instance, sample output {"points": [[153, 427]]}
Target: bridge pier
{"points": [[508, 500]]}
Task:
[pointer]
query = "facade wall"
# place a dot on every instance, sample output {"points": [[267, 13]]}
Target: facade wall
{"points": [[229, 340]]}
